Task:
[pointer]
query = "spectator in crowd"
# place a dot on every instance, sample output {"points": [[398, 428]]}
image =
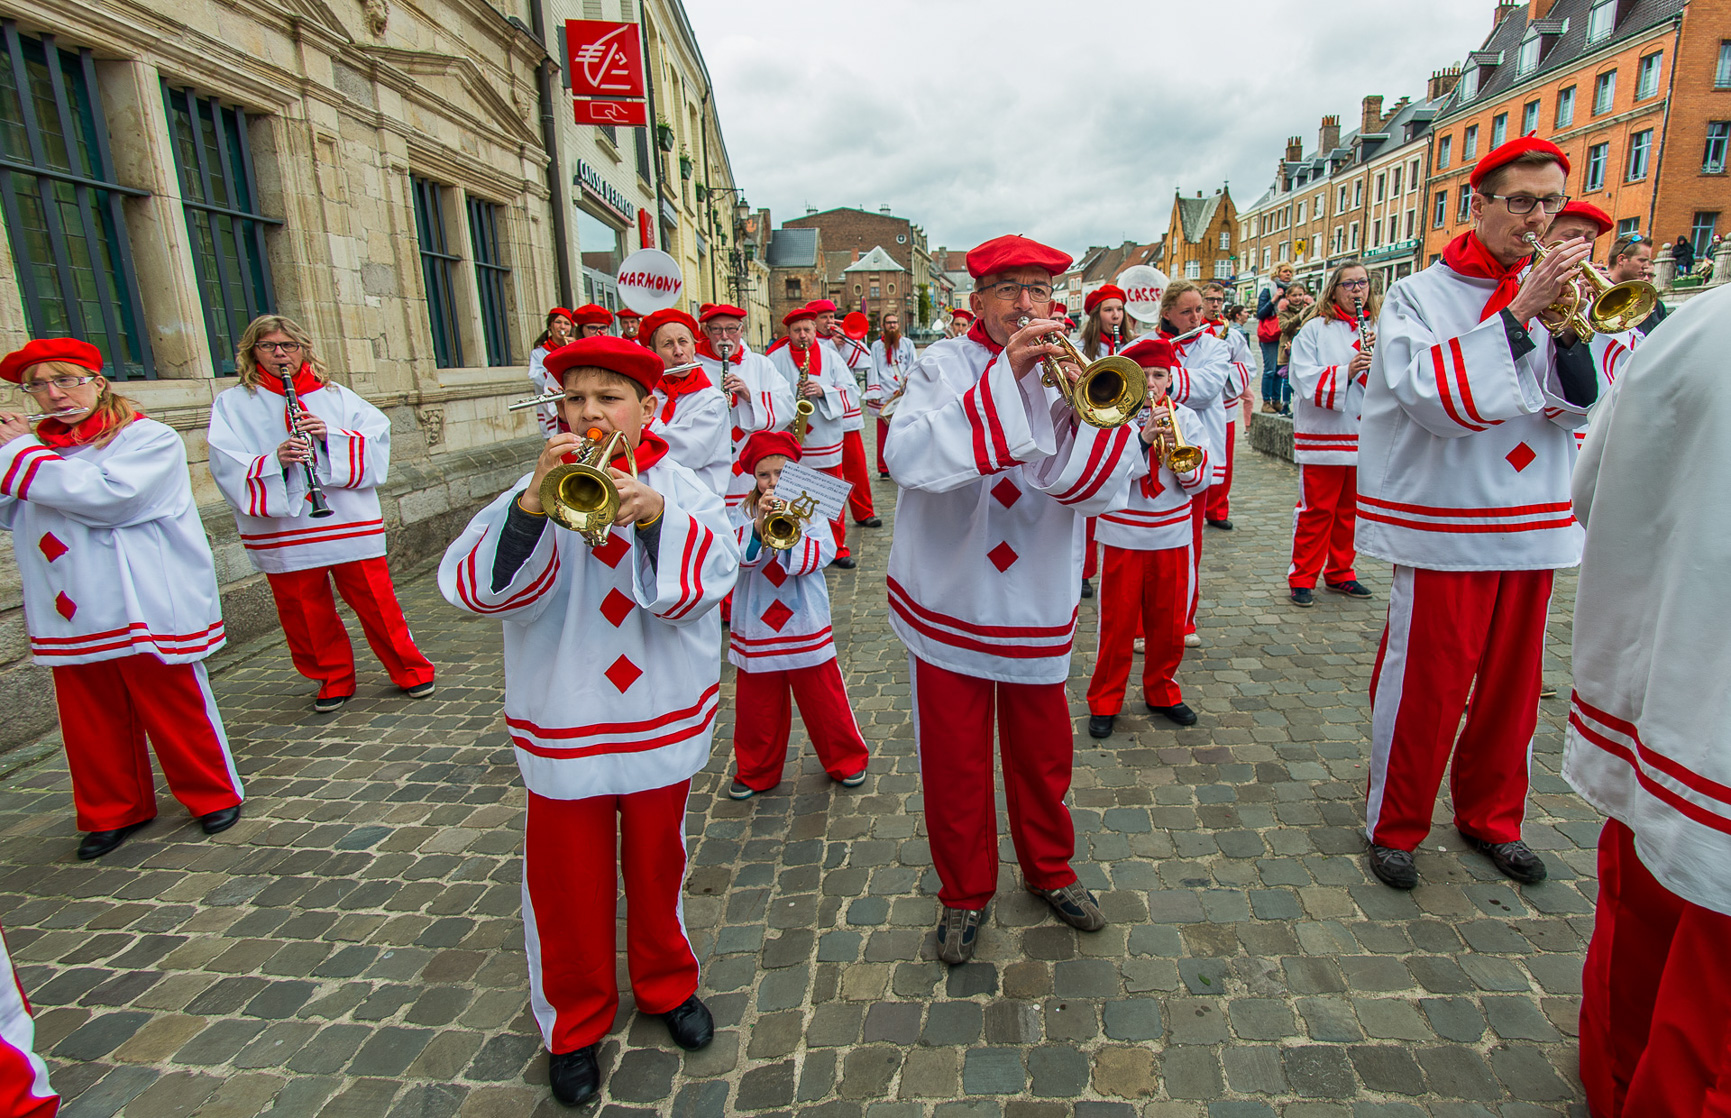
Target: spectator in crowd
{"points": [[1297, 305], [1270, 303], [1683, 254]]}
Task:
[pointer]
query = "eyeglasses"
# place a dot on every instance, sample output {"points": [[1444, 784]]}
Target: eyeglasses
{"points": [[1524, 203], [279, 347], [1009, 290], [63, 384], [1355, 285], [724, 331]]}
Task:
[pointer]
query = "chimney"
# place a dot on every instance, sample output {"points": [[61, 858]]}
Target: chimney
{"points": [[1328, 137], [1442, 83], [1505, 9], [1294, 149], [1538, 9], [885, 209], [1371, 121]]}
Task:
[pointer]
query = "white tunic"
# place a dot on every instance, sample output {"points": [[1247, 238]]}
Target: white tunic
{"points": [[612, 667], [766, 405], [889, 372], [698, 434], [855, 357], [110, 549], [1204, 380], [823, 436], [1610, 353], [1326, 401], [1649, 737], [270, 500], [1159, 520], [1464, 452], [780, 618], [996, 478]]}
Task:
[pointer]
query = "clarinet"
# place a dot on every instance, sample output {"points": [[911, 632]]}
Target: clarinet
{"points": [[315, 491], [1366, 340]]}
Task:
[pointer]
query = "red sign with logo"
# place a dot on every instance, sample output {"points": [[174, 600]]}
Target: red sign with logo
{"points": [[606, 58], [646, 228], [619, 114]]}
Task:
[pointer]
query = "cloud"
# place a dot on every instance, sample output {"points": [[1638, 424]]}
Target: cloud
{"points": [[1074, 123]]}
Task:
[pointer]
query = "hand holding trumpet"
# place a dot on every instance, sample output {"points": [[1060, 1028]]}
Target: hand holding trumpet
{"points": [[1546, 280], [1027, 347], [637, 501]]}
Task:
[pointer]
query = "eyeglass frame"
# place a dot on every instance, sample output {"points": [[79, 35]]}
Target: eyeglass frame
{"points": [[63, 383], [1508, 199], [1354, 285], [999, 291], [279, 347]]}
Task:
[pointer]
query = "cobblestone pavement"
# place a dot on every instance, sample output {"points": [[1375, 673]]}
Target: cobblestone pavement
{"points": [[353, 947]]}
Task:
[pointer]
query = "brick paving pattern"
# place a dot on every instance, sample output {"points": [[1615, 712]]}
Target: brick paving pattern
{"points": [[353, 947]]}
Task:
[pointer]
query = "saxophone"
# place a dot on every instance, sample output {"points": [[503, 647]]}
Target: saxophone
{"points": [[802, 406]]}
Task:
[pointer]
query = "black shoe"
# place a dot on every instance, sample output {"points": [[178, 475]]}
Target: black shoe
{"points": [[419, 690], [574, 1076], [329, 704], [1087, 589], [690, 1024], [1303, 596], [852, 781], [1177, 712], [1352, 588], [883, 473], [1223, 524], [219, 821], [1512, 859], [1393, 867], [870, 522], [1100, 725], [739, 791], [98, 843], [845, 562]]}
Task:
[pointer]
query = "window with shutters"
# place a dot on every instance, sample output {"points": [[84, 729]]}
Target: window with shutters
{"points": [[492, 279], [438, 266]]}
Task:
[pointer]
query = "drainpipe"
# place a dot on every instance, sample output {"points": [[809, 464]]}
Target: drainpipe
{"points": [[555, 174]]}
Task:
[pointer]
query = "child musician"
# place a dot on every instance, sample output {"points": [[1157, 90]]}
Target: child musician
{"points": [[690, 410], [1147, 562], [1105, 332], [819, 378], [120, 595], [560, 329], [759, 398], [611, 684], [261, 467], [780, 642]]}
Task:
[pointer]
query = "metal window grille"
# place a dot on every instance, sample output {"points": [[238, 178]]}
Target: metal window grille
{"points": [[220, 200], [492, 280], [61, 200], [436, 266]]}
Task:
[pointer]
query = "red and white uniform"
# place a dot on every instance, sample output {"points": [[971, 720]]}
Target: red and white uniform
{"points": [[120, 599], [1202, 380], [1611, 352], [889, 372], [547, 415], [1326, 403], [301, 557], [1648, 741], [691, 413], [766, 405], [825, 429], [1238, 353], [996, 476], [1090, 553], [1146, 587], [853, 357], [1463, 484], [853, 456], [24, 1088], [611, 684]]}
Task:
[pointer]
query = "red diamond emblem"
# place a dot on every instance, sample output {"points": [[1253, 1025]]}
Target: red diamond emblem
{"points": [[776, 615], [775, 572], [738, 433], [1006, 492], [739, 469], [1521, 457], [615, 606], [65, 606], [51, 546], [612, 551], [1002, 556], [623, 674]]}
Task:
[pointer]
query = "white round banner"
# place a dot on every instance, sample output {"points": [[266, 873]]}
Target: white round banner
{"points": [[649, 281], [1143, 287]]}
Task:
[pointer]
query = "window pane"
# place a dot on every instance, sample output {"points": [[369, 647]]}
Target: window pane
{"points": [[1702, 233], [1444, 148], [1565, 107], [1604, 92], [1600, 20], [1499, 129], [1597, 155], [1718, 137], [1647, 81], [1530, 118], [1470, 142], [1722, 75], [492, 279], [1640, 146], [436, 264]]}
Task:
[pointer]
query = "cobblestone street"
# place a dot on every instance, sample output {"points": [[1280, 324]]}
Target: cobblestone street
{"points": [[353, 946]]}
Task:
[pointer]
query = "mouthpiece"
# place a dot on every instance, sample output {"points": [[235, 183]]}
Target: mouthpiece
{"points": [[593, 434]]}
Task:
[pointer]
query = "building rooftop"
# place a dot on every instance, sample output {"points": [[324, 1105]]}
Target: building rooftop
{"points": [[1196, 214], [877, 260], [791, 248]]}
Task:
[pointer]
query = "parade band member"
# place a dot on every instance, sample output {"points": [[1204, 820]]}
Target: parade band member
{"points": [[780, 642], [120, 597], [854, 354], [560, 329], [810, 366], [892, 356], [1201, 379], [690, 411], [1219, 511], [630, 324], [1464, 485], [1631, 258], [1585, 222], [24, 1088], [759, 398], [960, 320], [260, 466], [1648, 743], [1104, 333], [612, 678], [592, 320], [996, 475], [1328, 369], [1146, 586]]}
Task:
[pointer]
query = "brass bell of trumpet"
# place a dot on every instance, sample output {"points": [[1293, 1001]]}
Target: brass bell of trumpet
{"points": [[1591, 304], [581, 495], [1109, 393], [1175, 454], [783, 521]]}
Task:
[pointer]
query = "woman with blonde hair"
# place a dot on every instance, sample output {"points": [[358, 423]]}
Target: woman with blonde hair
{"points": [[120, 597], [268, 467]]}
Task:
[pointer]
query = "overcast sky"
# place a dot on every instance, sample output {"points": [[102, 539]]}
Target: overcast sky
{"points": [[1070, 122]]}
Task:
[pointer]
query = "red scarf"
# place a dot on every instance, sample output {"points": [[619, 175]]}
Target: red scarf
{"points": [[1468, 255], [977, 333], [1344, 315], [305, 381], [704, 349], [816, 352], [58, 435], [651, 448], [675, 387], [777, 344]]}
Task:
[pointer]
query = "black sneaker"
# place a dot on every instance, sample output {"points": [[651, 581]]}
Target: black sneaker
{"points": [[958, 928], [1087, 589], [738, 791], [1513, 859], [1100, 725], [1177, 712], [1223, 524], [1352, 588], [1303, 596], [1393, 867], [419, 690], [690, 1024], [853, 780], [330, 704], [574, 1076]]}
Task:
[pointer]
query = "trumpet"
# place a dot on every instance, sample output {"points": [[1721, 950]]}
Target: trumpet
{"points": [[553, 396], [1175, 454], [581, 495], [1591, 304], [784, 521], [1110, 391]]}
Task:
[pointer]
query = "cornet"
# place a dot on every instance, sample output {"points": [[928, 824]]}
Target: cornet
{"points": [[783, 521], [581, 495], [1591, 304], [1109, 393], [1175, 454]]}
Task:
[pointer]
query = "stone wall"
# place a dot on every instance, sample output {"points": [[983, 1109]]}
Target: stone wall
{"points": [[1271, 434]]}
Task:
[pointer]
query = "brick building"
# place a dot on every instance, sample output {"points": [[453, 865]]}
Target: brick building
{"points": [[1200, 236], [876, 285], [1099, 265], [849, 234], [796, 272]]}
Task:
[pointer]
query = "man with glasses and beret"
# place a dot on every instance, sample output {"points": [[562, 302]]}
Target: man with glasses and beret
{"points": [[996, 476], [1466, 445]]}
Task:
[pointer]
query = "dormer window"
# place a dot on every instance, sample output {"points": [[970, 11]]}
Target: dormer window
{"points": [[1531, 48], [1602, 20], [1469, 84]]}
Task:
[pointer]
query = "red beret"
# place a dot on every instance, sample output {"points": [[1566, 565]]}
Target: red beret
{"points": [[1512, 151], [561, 310], [653, 322], [70, 350], [796, 314], [718, 310], [821, 306], [1152, 352], [1095, 298], [1000, 254], [627, 312], [592, 314], [1591, 212], [962, 312], [766, 443], [616, 355]]}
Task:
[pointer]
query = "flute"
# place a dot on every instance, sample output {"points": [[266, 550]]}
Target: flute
{"points": [[554, 397]]}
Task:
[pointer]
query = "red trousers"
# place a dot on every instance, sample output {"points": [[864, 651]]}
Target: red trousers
{"points": [[1655, 1034], [853, 468], [1220, 493], [1322, 526], [1455, 641], [1198, 513], [1090, 556], [838, 526], [953, 717], [571, 907], [763, 716], [318, 643], [107, 711], [883, 437], [1142, 594], [24, 1089]]}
